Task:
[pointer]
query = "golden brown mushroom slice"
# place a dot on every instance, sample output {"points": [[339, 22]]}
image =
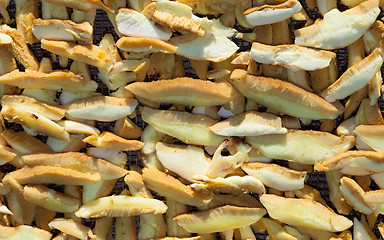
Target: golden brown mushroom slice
{"points": [[72, 228], [144, 44], [23, 232], [83, 5], [186, 91], [284, 97], [304, 212], [339, 29], [371, 135], [215, 7], [219, 219], [120, 206], [114, 142], [24, 143], [354, 195], [189, 128], [375, 200], [318, 145]]}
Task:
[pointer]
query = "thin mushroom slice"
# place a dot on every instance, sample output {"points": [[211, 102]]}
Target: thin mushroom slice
{"points": [[185, 91], [24, 143], [219, 219], [23, 232], [379, 179], [114, 142], [120, 206], [82, 5], [371, 135], [373, 37], [304, 212], [78, 127], [276, 230], [284, 97], [361, 230], [145, 44], [318, 145], [97, 190], [215, 7], [72, 228], [354, 195], [339, 29], [375, 200]]}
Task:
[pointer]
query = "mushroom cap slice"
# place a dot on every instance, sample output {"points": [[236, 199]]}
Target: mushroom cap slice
{"points": [[284, 97], [371, 135], [78, 127], [144, 44], [304, 212], [339, 29], [114, 142], [120, 206], [24, 232], [249, 124], [354, 195], [306, 147], [72, 228], [219, 219], [24, 143], [375, 200], [186, 91], [132, 23]]}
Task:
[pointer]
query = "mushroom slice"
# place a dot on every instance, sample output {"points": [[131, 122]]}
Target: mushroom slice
{"points": [[170, 187], [371, 135], [34, 105], [379, 179], [57, 80], [72, 228], [304, 212], [132, 23], [249, 124], [275, 176], [78, 127], [373, 37], [42, 196], [24, 143], [6, 155], [120, 206], [144, 44], [113, 156], [189, 128], [23, 232], [215, 7], [185, 91], [355, 78], [290, 146], [267, 14], [219, 219], [186, 161], [375, 200], [276, 230], [101, 108], [82, 5], [65, 30], [361, 230], [97, 190], [339, 29], [354, 195], [114, 142], [293, 57], [124, 127], [284, 97], [359, 163]]}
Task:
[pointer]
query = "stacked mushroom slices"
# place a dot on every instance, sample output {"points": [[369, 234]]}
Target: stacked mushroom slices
{"points": [[225, 150]]}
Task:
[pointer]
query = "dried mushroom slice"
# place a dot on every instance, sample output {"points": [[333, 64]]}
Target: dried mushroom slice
{"points": [[361, 230], [215, 7], [7, 155], [186, 91], [23, 232], [373, 37], [24, 143], [339, 29], [114, 142], [189, 128], [145, 44], [124, 127], [120, 206], [219, 219], [304, 212], [290, 146], [371, 135], [72, 228], [83, 5], [276, 230], [78, 127], [97, 190], [375, 200], [354, 195], [284, 97], [275, 176]]}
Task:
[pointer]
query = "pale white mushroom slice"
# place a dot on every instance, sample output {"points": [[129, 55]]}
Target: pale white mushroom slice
{"points": [[219, 219], [145, 44], [189, 128], [290, 146], [97, 190], [267, 14], [120, 206], [83, 5], [24, 232], [339, 29], [114, 142], [72, 228], [113, 156], [371, 135], [74, 144], [292, 57], [102, 108], [132, 23], [375, 200], [372, 37], [186, 91], [361, 230], [284, 97], [78, 127], [354, 195], [185, 161], [24, 143], [276, 230], [379, 179], [275, 176], [150, 137], [304, 212]]}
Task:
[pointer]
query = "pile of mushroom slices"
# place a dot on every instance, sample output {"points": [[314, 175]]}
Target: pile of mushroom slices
{"points": [[209, 147]]}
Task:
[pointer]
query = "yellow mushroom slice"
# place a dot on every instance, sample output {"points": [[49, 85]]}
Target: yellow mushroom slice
{"points": [[78, 127], [26, 12], [65, 30], [115, 157], [339, 29], [375, 200], [120, 206], [170, 187], [361, 230], [318, 145], [114, 142], [275, 230], [23, 232], [275, 176], [372, 37], [371, 135], [179, 238], [284, 97], [354, 195], [7, 154], [304, 212], [174, 209], [124, 127], [101, 108], [359, 163], [189, 128], [24, 143], [219, 219], [345, 235], [215, 7], [144, 44], [267, 14], [186, 91], [97, 190], [72, 228], [83, 5]]}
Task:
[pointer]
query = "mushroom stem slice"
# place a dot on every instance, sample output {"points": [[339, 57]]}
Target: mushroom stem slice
{"points": [[144, 44], [72, 228], [354, 195], [83, 5], [23, 232], [114, 142]]}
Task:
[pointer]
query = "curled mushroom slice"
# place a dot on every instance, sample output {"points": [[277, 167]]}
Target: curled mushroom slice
{"points": [[339, 29], [189, 128], [318, 145], [304, 212], [72, 228], [83, 5], [101, 108], [186, 91], [219, 219], [66, 30], [114, 142], [144, 44], [23, 232], [375, 200], [120, 206], [371, 135], [284, 97], [275, 176], [354, 195]]}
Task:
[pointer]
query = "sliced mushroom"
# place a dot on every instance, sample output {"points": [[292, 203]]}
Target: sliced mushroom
{"points": [[371, 135], [97, 190], [215, 7], [145, 44], [24, 143], [24, 232], [113, 156], [375, 200], [72, 228], [361, 230], [354, 195], [83, 5], [114, 142], [78, 127]]}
